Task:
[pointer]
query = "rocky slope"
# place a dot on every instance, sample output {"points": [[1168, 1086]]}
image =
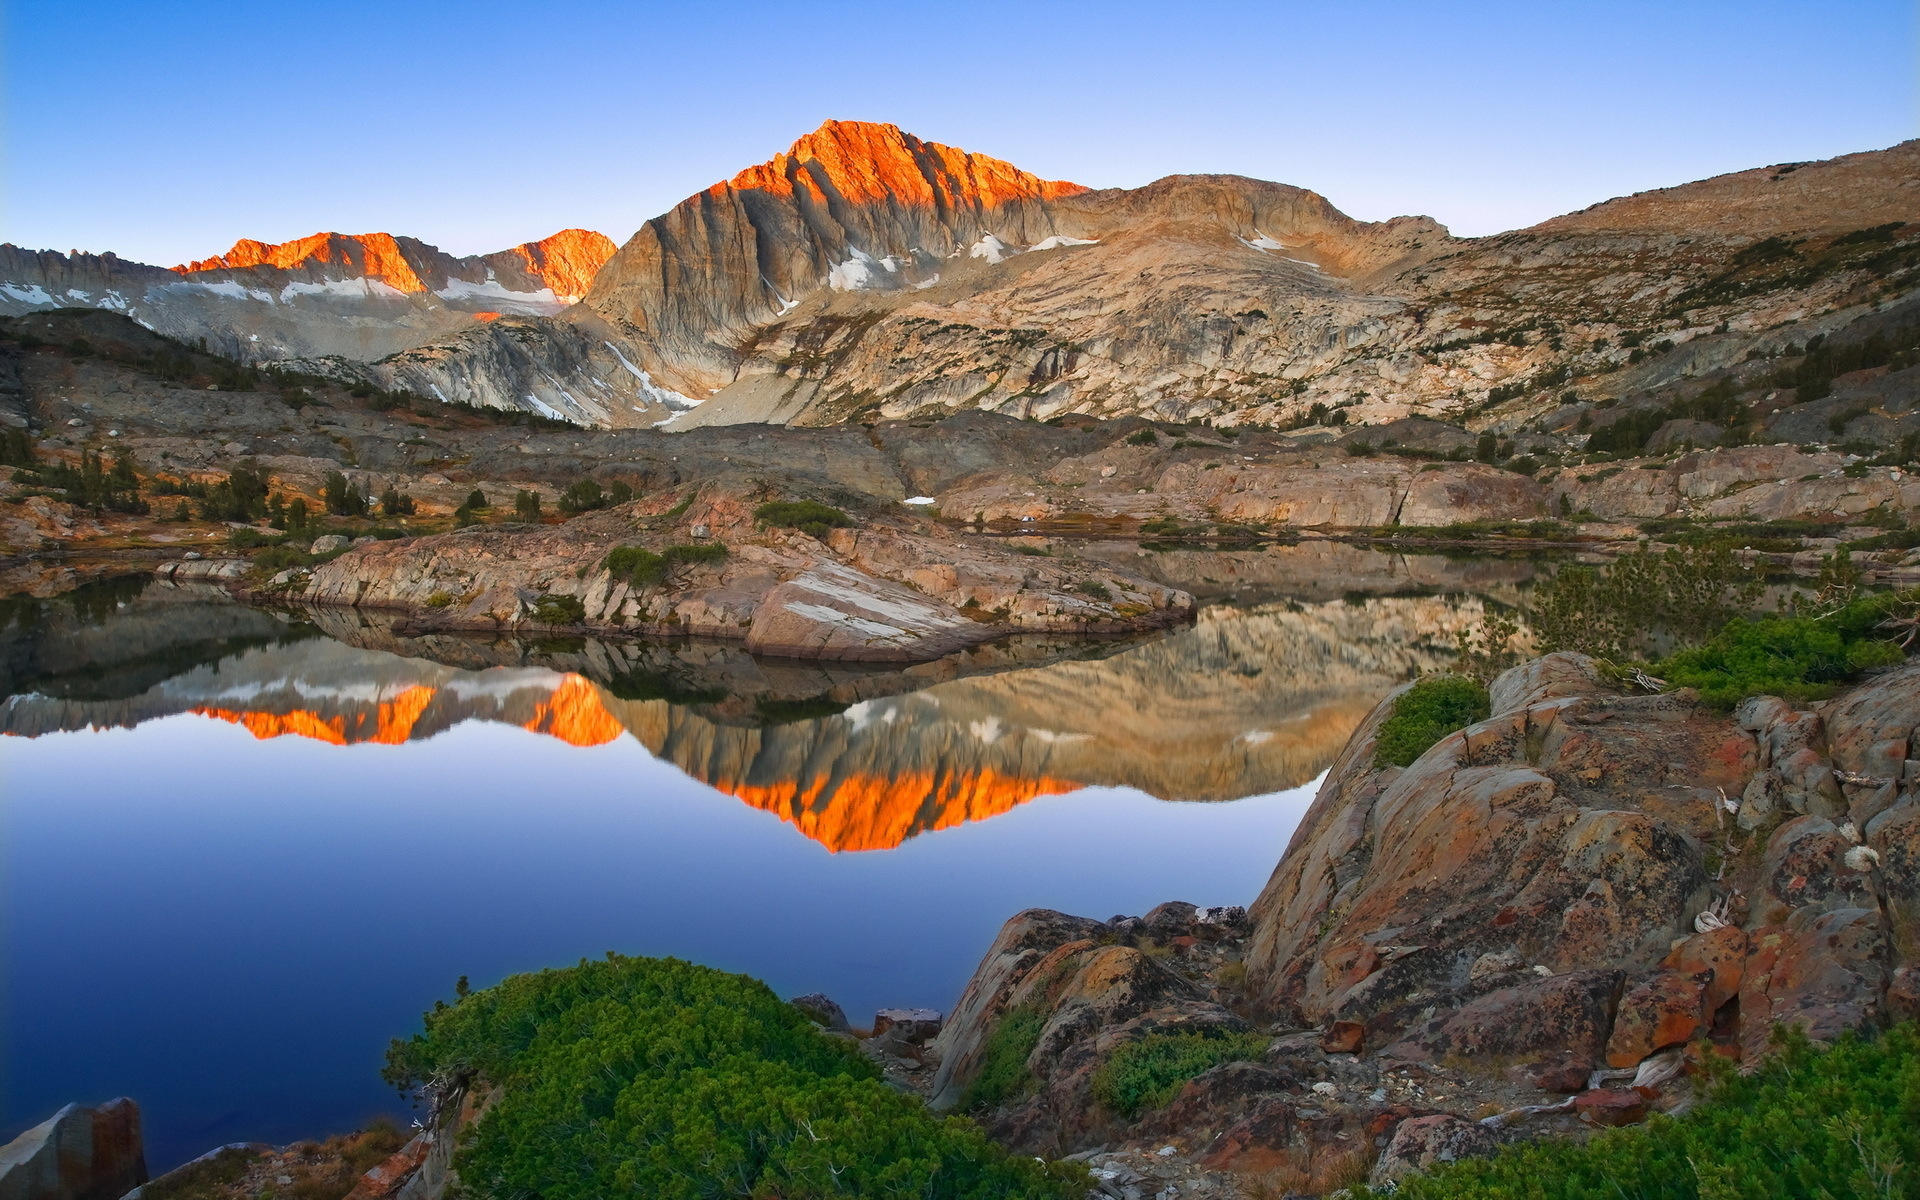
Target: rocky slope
{"points": [[866, 274], [1586, 890]]}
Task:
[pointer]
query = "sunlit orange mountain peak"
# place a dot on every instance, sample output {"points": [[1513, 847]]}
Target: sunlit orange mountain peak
{"points": [[369, 255], [564, 264], [567, 261], [867, 162]]}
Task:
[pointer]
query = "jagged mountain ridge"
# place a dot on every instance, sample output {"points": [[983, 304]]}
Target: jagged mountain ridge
{"points": [[868, 274], [843, 281], [359, 296]]}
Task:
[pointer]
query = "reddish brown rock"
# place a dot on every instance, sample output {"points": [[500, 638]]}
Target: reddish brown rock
{"points": [[1343, 1037], [1609, 1106], [1723, 952], [77, 1154], [1565, 1078], [1667, 1010], [1566, 1016], [1820, 971], [392, 1175]]}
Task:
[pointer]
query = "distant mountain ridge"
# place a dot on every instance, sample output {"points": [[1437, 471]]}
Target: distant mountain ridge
{"points": [[354, 296], [866, 274]]}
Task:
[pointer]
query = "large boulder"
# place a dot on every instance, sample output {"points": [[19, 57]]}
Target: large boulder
{"points": [[77, 1154], [1423, 1142]]}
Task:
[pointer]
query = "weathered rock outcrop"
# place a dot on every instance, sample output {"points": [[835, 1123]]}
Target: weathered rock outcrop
{"points": [[887, 591], [77, 1154], [1569, 894]]}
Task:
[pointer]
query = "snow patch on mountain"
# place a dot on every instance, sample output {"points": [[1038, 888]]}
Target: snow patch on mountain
{"points": [[992, 249], [1060, 239]]}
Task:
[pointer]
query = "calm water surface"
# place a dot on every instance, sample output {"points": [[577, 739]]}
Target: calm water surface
{"points": [[245, 849]]}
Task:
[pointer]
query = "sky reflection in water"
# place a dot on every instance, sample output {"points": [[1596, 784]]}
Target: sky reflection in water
{"points": [[229, 929]]}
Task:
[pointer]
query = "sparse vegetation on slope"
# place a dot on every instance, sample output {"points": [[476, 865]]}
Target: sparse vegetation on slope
{"points": [[1837, 1124]]}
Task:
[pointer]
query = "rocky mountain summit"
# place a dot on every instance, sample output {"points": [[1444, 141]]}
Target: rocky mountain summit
{"points": [[1543, 922], [865, 274]]}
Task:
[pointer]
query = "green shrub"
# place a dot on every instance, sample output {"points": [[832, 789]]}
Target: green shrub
{"points": [[638, 565], [659, 1078], [1426, 712], [559, 610], [1004, 1076], [808, 516], [396, 503], [476, 501], [338, 492], [1797, 658], [696, 552], [1143, 437], [582, 495], [526, 505], [1840, 1124], [1148, 1073]]}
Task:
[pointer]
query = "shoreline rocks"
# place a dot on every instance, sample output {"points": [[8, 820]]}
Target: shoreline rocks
{"points": [[1550, 916]]}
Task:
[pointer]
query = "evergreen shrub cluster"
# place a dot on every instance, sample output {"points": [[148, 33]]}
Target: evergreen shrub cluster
{"points": [[658, 1078], [1426, 712], [1148, 1073]]}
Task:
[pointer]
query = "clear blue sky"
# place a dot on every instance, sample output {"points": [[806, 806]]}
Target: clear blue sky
{"points": [[163, 130]]}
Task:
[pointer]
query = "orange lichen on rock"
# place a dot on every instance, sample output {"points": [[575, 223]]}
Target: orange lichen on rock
{"points": [[866, 163], [372, 255], [567, 261], [870, 812], [389, 723], [576, 716]]}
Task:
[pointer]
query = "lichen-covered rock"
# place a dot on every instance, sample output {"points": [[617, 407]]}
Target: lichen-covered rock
{"points": [[1423, 1142], [1669, 1009]]}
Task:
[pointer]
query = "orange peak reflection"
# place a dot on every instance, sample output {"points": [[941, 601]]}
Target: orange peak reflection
{"points": [[572, 713], [575, 715], [871, 812], [389, 723]]}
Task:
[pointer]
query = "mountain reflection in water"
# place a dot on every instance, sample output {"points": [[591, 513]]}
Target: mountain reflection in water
{"points": [[1250, 700]]}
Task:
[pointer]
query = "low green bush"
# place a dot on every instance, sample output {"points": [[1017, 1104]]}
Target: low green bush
{"points": [[643, 568], [808, 516], [1004, 1076], [1143, 437], [1426, 712], [1148, 1073], [559, 610], [1837, 1124], [1794, 657], [658, 1078]]}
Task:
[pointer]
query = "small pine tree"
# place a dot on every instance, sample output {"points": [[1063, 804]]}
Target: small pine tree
{"points": [[526, 506], [476, 501]]}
